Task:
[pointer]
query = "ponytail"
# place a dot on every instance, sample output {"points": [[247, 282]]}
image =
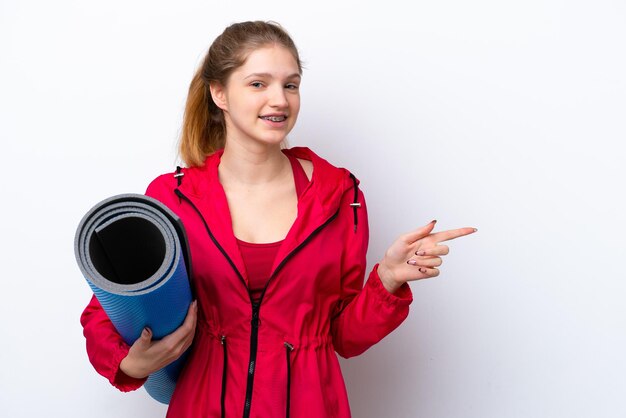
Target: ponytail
{"points": [[203, 130]]}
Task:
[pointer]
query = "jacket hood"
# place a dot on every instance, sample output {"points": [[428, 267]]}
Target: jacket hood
{"points": [[327, 186], [319, 202]]}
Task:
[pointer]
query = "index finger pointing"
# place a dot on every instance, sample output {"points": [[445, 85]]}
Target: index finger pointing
{"points": [[452, 234]]}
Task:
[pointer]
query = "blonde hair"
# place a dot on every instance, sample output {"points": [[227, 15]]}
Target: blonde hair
{"points": [[204, 129]]}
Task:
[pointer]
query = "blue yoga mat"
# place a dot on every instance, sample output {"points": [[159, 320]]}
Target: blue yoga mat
{"points": [[133, 250]]}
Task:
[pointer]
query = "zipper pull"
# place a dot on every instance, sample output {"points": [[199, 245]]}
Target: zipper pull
{"points": [[255, 316]]}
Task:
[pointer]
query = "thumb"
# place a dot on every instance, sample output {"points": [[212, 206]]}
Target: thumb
{"points": [[419, 233], [146, 336]]}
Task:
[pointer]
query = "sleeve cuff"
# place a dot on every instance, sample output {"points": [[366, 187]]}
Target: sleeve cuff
{"points": [[121, 380], [402, 297]]}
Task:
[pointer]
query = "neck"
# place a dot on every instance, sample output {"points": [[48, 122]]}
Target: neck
{"points": [[252, 164]]}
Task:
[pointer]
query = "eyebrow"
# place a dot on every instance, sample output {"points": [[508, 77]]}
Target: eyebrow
{"points": [[268, 75]]}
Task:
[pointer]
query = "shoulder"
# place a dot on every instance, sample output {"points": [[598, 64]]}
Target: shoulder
{"points": [[319, 168], [336, 187], [188, 179], [162, 182], [194, 180], [307, 166], [165, 183]]}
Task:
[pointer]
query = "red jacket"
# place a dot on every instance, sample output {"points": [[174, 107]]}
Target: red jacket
{"points": [[278, 357]]}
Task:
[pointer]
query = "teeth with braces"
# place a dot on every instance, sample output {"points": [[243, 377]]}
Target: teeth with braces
{"points": [[275, 118]]}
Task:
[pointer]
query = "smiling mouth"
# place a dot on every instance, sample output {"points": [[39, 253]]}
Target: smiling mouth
{"points": [[274, 118]]}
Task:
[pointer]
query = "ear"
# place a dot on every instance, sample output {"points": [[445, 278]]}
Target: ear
{"points": [[218, 94]]}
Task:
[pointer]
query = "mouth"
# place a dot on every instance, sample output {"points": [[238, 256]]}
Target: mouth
{"points": [[274, 118]]}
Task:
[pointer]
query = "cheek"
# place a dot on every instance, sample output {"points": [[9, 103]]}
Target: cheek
{"points": [[295, 104], [245, 109]]}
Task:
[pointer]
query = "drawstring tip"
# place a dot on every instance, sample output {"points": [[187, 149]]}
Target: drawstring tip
{"points": [[355, 203], [179, 179], [288, 350]]}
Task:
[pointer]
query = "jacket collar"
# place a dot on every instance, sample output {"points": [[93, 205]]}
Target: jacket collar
{"points": [[317, 204]]}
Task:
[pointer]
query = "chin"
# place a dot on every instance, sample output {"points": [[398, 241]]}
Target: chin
{"points": [[273, 139]]}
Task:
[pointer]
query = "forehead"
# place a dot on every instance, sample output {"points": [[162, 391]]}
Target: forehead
{"points": [[275, 60]]}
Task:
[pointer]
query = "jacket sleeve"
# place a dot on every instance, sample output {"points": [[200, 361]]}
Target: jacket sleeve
{"points": [[364, 314], [105, 347]]}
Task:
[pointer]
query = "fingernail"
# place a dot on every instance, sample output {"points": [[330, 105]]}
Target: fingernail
{"points": [[475, 229], [412, 262], [422, 270], [433, 221], [421, 252]]}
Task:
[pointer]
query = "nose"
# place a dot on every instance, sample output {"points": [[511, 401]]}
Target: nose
{"points": [[277, 97]]}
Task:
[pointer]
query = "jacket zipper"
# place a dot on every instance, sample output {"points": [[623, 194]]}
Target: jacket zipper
{"points": [[256, 306]]}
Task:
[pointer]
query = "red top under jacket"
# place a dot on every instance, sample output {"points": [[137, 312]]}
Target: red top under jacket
{"points": [[259, 257]]}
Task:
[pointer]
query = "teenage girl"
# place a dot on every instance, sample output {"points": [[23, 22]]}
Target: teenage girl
{"points": [[278, 239]]}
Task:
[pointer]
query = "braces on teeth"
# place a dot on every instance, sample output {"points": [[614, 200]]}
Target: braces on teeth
{"points": [[275, 118]]}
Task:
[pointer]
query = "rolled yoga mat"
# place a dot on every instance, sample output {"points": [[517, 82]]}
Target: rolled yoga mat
{"points": [[133, 250]]}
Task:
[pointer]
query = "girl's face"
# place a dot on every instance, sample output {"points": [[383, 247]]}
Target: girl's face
{"points": [[261, 99]]}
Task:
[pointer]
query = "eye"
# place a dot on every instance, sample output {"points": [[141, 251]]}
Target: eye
{"points": [[256, 84], [292, 86]]}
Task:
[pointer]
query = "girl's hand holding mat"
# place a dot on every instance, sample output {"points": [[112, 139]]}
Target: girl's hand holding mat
{"points": [[146, 356]]}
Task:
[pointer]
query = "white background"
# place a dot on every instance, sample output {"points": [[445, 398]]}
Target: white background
{"points": [[503, 115]]}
